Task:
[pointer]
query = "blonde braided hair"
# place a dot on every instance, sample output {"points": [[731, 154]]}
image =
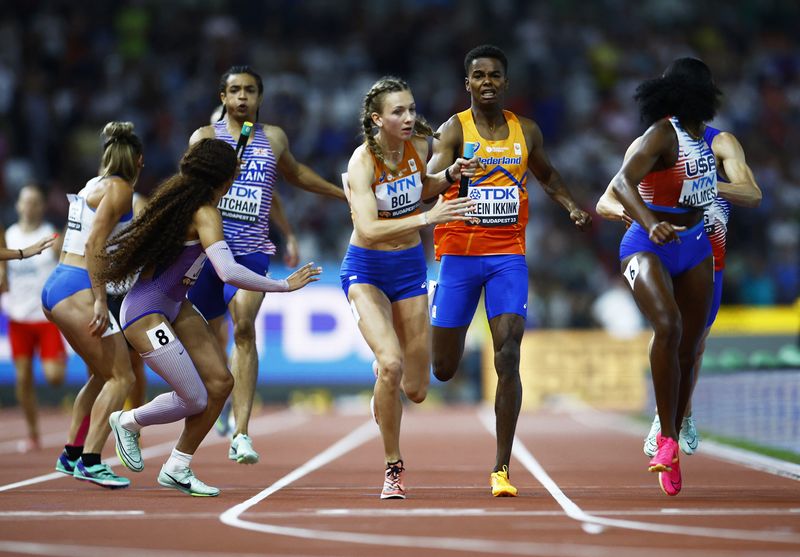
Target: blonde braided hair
{"points": [[373, 102]]}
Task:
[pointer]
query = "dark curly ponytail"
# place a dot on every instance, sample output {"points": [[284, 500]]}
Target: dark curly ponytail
{"points": [[157, 234]]}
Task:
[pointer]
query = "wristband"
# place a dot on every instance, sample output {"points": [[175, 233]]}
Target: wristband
{"points": [[21, 255], [450, 179]]}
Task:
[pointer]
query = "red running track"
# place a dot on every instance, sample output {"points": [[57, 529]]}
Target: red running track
{"points": [[584, 491]]}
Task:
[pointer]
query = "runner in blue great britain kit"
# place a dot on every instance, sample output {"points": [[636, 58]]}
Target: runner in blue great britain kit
{"points": [[245, 219]]}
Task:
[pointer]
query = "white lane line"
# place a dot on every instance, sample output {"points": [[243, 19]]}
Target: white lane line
{"points": [[354, 439], [596, 419], [11, 516], [61, 550], [271, 423], [597, 523], [368, 431], [755, 461], [48, 514], [492, 547], [452, 512], [32, 481]]}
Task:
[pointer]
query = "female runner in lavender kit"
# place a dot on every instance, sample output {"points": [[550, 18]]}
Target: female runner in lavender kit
{"points": [[181, 228]]}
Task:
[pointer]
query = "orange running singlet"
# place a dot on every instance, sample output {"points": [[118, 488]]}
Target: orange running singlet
{"points": [[500, 191], [399, 192]]}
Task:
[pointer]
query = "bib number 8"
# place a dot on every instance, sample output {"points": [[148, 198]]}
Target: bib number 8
{"points": [[160, 336]]}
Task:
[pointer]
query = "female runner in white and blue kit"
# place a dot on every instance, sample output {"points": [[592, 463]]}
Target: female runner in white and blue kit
{"points": [[75, 300]]}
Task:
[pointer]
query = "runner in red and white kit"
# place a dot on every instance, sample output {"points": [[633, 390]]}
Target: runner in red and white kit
{"points": [[28, 329]]}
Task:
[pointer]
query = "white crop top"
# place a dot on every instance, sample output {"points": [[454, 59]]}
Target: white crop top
{"points": [[81, 218]]}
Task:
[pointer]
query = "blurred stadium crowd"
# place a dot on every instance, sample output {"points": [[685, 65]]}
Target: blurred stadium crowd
{"points": [[65, 70]]}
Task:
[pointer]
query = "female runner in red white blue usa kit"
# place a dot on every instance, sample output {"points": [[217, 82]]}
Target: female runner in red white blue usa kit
{"points": [[736, 185], [668, 178]]}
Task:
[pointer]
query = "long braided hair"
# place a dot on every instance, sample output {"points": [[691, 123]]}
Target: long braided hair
{"points": [[685, 89], [373, 102], [156, 235]]}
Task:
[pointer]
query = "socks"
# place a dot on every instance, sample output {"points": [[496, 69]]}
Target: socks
{"points": [[90, 459], [178, 461], [395, 464], [128, 421], [188, 397], [73, 451]]}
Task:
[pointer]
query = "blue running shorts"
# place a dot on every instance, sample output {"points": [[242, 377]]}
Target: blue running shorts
{"points": [[398, 274], [211, 296], [63, 282], [678, 258], [461, 278]]}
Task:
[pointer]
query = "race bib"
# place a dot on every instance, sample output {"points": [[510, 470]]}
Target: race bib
{"points": [[632, 271], [399, 197], [160, 336], [76, 205], [113, 327], [708, 223], [698, 192], [73, 240], [495, 206], [241, 203], [714, 217], [190, 277]]}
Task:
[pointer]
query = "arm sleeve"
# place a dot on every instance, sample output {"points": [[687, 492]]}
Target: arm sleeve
{"points": [[229, 271]]}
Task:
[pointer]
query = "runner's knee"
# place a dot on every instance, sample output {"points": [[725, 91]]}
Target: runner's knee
{"points": [[667, 328], [197, 403], [54, 373], [244, 331], [417, 390], [506, 359], [123, 378], [444, 368], [391, 370], [220, 387]]}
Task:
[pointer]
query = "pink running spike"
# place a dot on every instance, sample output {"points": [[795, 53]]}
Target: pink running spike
{"points": [[666, 455], [671, 482]]}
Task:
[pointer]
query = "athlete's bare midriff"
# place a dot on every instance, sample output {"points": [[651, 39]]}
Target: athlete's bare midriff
{"points": [[400, 243], [680, 219]]}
